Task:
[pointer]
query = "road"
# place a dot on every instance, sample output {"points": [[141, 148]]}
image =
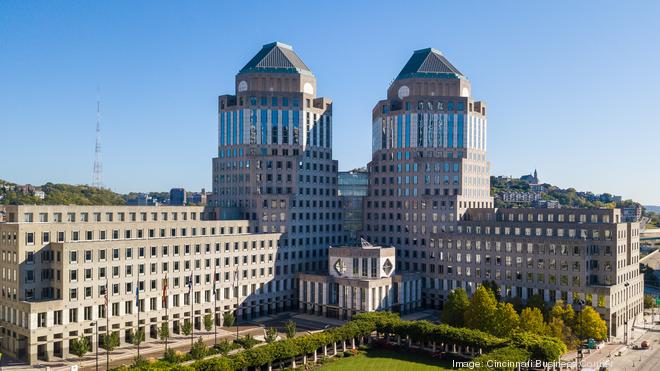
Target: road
{"points": [[647, 359]]}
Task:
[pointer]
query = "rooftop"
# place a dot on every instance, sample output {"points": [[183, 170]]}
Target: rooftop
{"points": [[428, 62], [276, 57]]}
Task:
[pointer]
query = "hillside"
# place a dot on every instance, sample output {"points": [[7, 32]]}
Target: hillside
{"points": [[568, 197], [56, 194]]}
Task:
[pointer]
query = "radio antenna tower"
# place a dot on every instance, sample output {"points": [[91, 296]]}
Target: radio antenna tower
{"points": [[98, 166]]}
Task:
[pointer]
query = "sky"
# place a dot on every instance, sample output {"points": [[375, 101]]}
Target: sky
{"points": [[571, 86]]}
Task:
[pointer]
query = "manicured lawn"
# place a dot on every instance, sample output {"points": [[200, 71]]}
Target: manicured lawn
{"points": [[387, 360]]}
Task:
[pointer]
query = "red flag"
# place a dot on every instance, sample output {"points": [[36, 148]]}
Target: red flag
{"points": [[165, 291]]}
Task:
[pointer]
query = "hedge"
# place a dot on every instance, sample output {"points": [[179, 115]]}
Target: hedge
{"points": [[520, 347]]}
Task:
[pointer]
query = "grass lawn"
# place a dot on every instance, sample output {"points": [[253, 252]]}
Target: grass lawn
{"points": [[387, 360]]}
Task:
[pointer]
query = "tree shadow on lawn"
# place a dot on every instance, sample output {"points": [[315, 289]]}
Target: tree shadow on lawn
{"points": [[409, 355]]}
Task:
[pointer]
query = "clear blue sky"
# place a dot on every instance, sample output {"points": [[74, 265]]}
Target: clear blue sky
{"points": [[572, 86]]}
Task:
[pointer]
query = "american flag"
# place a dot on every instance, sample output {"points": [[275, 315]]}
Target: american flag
{"points": [[106, 293], [190, 283]]}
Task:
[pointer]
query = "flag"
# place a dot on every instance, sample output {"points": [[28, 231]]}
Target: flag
{"points": [[106, 293], [215, 275], [137, 295], [190, 283], [165, 291]]}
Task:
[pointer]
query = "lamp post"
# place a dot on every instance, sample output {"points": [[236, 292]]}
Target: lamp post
{"points": [[625, 319], [580, 303]]}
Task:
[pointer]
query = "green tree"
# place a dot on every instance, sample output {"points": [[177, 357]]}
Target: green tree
{"points": [[505, 320], [588, 324], [80, 346], [224, 347], [247, 341], [271, 334], [164, 331], [531, 320], [494, 288], [110, 342], [557, 328], [481, 310], [537, 301], [290, 327], [186, 328], [137, 337], [199, 349], [563, 312], [208, 322], [454, 308], [228, 319], [649, 301]]}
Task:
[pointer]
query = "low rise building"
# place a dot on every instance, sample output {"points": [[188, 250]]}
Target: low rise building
{"points": [[520, 197], [58, 262], [361, 279]]}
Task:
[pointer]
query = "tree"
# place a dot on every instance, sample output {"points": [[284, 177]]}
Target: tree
{"points": [[247, 341], [208, 322], [199, 349], [557, 328], [290, 327], [454, 308], [186, 328], [164, 331], [531, 320], [137, 337], [505, 320], [563, 312], [80, 346], [110, 342], [588, 324], [649, 301], [224, 347], [494, 288], [537, 301], [228, 319], [481, 310], [271, 335]]}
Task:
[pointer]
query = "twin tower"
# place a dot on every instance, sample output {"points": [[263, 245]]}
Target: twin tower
{"points": [[275, 167]]}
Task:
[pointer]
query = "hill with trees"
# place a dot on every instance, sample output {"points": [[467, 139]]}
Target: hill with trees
{"points": [[567, 197], [57, 194]]}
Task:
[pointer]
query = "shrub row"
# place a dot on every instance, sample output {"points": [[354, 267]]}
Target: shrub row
{"points": [[520, 347]]}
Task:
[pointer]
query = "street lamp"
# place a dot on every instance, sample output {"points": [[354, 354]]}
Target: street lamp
{"points": [[625, 319]]}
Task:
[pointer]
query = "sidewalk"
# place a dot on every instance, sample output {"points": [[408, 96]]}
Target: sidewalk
{"points": [[125, 354]]}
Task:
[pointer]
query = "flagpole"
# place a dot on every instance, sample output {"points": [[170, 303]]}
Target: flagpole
{"points": [[166, 303], [97, 344], [215, 307], [107, 321], [137, 301], [237, 304], [192, 310]]}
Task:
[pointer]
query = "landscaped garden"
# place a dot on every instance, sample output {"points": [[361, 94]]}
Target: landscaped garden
{"points": [[387, 360]]}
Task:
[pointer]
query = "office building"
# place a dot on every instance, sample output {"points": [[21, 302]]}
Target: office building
{"points": [[274, 164], [58, 261], [429, 196]]}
